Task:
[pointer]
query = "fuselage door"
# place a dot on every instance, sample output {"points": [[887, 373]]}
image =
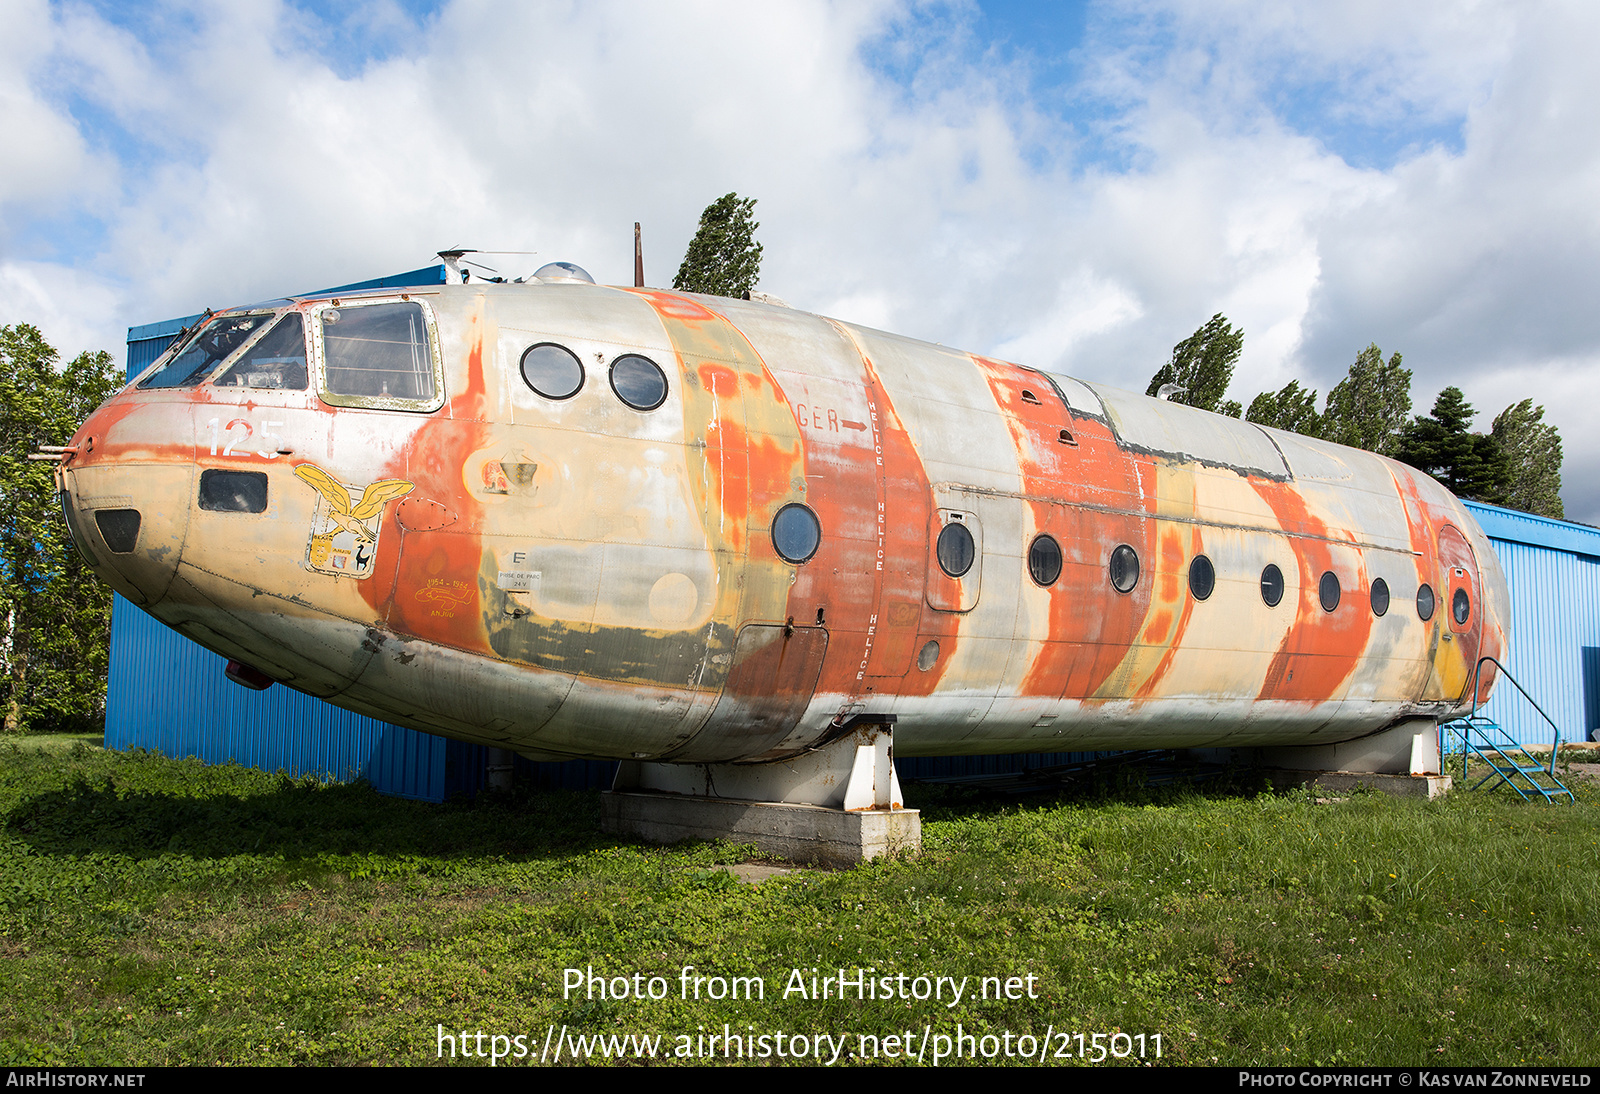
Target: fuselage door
{"points": [[1462, 607], [955, 565]]}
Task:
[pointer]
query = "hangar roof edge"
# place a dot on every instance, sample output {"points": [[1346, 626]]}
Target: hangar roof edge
{"points": [[1536, 531], [427, 275]]}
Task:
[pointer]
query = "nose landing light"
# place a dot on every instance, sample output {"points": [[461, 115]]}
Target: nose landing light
{"points": [[247, 676]]}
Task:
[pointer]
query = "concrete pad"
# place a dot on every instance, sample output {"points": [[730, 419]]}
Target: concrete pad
{"points": [[797, 833], [1344, 782], [753, 873]]}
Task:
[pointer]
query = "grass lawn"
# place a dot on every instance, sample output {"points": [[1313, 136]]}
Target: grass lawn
{"points": [[161, 912]]}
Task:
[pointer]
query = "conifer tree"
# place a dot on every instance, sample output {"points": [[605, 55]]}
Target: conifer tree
{"points": [[1471, 465]]}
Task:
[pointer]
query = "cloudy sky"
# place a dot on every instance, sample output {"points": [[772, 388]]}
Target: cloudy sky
{"points": [[1073, 186]]}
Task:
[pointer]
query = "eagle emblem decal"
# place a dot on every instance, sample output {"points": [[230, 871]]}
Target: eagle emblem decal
{"points": [[345, 527]]}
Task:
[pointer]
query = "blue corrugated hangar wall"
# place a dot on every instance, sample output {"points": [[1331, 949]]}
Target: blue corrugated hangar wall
{"points": [[168, 694], [1553, 569]]}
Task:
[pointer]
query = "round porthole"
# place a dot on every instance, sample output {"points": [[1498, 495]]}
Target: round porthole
{"points": [[796, 533], [1202, 577], [1271, 585], [1328, 591], [1461, 607], [551, 370], [956, 549], [928, 656], [638, 381], [1425, 603], [1044, 560], [1380, 597], [1124, 569]]}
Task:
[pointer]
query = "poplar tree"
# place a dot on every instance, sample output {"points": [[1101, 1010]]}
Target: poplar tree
{"points": [[1533, 450], [723, 258], [1291, 408], [1202, 366], [1369, 407]]}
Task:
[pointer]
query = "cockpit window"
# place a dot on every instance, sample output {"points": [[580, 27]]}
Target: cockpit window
{"points": [[201, 354], [277, 360], [378, 355]]}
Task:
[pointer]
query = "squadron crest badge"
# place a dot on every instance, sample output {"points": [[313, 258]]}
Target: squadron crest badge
{"points": [[345, 527]]}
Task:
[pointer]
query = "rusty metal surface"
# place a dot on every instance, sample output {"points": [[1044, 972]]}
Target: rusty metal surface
{"points": [[574, 577]]}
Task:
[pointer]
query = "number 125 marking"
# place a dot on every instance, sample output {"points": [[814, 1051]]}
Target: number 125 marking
{"points": [[218, 433]]}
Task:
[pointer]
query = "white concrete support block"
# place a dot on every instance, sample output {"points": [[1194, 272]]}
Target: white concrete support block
{"points": [[837, 805]]}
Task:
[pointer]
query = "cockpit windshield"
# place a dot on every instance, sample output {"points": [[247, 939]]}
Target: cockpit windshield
{"points": [[277, 360], [209, 347]]}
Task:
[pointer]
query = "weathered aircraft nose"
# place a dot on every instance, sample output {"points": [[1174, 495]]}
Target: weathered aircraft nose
{"points": [[127, 508]]}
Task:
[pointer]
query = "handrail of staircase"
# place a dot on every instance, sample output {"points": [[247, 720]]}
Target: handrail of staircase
{"points": [[1555, 744]]}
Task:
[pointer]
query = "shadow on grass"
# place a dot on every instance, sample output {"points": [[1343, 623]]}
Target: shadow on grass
{"points": [[141, 805], [1164, 782], [298, 819]]}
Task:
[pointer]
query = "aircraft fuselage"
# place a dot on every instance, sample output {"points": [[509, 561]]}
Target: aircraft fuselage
{"points": [[580, 521]]}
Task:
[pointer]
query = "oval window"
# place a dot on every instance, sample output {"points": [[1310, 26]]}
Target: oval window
{"points": [[796, 533], [1425, 603], [1271, 585], [1461, 607], [1328, 591], [956, 549], [1044, 560], [551, 370], [1380, 596], [1202, 577], [1124, 569], [638, 381]]}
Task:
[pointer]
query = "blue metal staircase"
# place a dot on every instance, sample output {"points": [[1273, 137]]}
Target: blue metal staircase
{"points": [[1508, 762]]}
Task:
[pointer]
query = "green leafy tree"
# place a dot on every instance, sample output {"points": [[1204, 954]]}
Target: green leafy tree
{"points": [[1202, 367], [1533, 450], [1291, 408], [54, 613], [723, 258], [1471, 465], [1369, 407]]}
